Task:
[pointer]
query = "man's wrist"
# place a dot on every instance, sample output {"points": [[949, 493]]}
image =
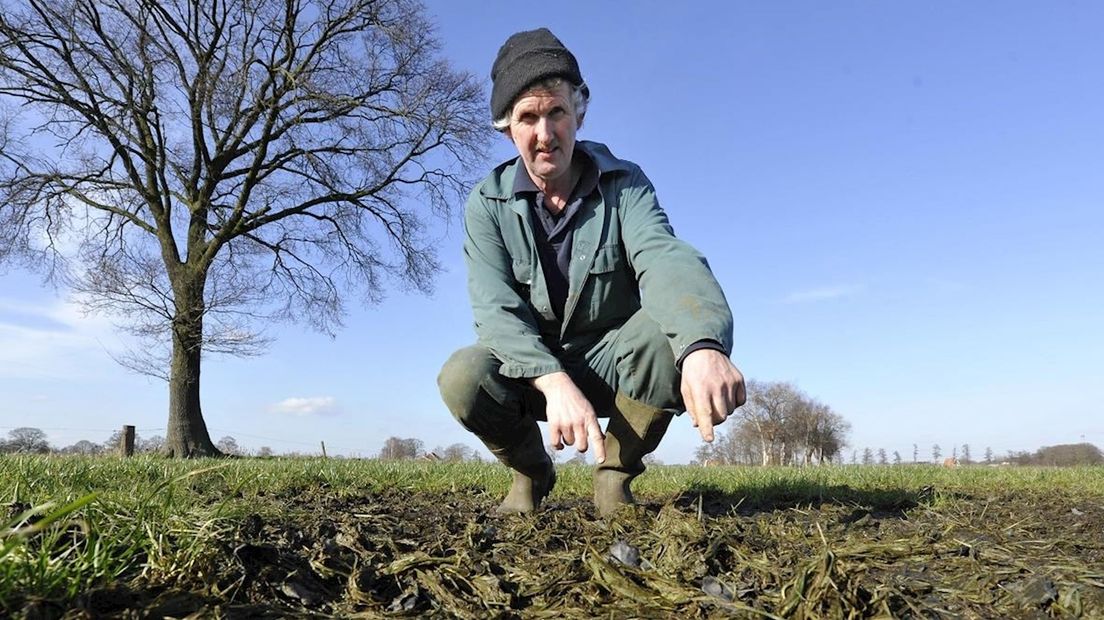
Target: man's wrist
{"points": [[550, 381]]}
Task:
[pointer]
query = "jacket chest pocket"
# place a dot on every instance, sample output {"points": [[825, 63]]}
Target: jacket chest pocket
{"points": [[526, 285], [612, 288], [523, 272], [607, 259]]}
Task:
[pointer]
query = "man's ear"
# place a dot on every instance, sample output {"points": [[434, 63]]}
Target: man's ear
{"points": [[579, 123]]}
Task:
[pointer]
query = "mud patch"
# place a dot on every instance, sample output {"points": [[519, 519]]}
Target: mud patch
{"points": [[700, 555]]}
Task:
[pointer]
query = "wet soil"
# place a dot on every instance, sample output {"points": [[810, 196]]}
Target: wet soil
{"points": [[700, 555]]}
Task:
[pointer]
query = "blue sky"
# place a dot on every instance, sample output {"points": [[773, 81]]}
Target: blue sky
{"points": [[904, 202]]}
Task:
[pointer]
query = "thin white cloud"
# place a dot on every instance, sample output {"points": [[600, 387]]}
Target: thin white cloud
{"points": [[54, 340], [315, 405], [822, 294]]}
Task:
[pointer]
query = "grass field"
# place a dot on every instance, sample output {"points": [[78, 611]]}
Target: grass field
{"points": [[103, 537]]}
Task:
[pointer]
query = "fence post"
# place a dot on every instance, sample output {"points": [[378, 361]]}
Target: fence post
{"points": [[126, 442]]}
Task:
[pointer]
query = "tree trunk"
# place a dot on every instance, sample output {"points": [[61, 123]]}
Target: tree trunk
{"points": [[187, 435]]}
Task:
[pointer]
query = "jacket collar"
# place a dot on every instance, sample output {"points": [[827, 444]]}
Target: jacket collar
{"points": [[500, 183]]}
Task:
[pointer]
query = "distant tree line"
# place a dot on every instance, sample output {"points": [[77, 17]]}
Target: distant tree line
{"points": [[400, 449], [1064, 455], [30, 440], [779, 425], [741, 443]]}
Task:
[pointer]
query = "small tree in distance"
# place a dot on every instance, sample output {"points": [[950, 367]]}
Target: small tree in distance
{"points": [[398, 448], [457, 452], [26, 440], [937, 453], [83, 448], [229, 446]]}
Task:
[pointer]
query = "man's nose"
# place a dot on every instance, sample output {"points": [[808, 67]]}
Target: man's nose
{"points": [[544, 130]]}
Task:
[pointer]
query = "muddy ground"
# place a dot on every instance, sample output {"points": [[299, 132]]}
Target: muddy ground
{"points": [[703, 554]]}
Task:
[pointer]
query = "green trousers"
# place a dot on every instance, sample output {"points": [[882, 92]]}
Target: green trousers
{"points": [[635, 360]]}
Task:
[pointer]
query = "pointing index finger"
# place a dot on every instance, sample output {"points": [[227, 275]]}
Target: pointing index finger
{"points": [[705, 427], [599, 440]]}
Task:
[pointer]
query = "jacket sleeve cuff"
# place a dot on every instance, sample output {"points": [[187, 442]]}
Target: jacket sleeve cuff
{"points": [[697, 346], [529, 371]]}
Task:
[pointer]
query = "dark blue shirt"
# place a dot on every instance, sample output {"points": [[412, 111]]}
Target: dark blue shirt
{"points": [[555, 233]]}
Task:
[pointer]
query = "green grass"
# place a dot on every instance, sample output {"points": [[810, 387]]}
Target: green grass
{"points": [[69, 523]]}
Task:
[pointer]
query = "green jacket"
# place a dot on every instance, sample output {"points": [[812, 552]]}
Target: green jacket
{"points": [[624, 256]]}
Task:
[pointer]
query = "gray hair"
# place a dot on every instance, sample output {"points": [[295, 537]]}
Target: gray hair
{"points": [[579, 100]]}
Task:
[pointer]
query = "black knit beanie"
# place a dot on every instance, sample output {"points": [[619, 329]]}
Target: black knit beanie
{"points": [[528, 57]]}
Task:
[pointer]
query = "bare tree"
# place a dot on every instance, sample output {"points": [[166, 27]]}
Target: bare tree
{"points": [[767, 409], [966, 454], [192, 166], [26, 440], [398, 448], [457, 452], [153, 444], [779, 425], [83, 448], [988, 455], [937, 452], [829, 435], [733, 445], [790, 425], [229, 445]]}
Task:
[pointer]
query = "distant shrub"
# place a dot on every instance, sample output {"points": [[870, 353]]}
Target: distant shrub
{"points": [[1064, 455]]}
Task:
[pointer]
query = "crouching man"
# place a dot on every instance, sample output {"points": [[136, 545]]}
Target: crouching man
{"points": [[586, 305]]}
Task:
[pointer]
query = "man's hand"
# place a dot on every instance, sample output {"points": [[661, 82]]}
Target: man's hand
{"points": [[571, 418], [712, 388]]}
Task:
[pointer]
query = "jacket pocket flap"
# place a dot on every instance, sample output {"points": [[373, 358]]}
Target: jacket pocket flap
{"points": [[523, 271], [607, 259]]}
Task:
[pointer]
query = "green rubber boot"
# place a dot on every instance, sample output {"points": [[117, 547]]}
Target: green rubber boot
{"points": [[534, 473], [634, 430]]}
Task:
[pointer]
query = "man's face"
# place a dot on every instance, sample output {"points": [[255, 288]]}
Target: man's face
{"points": [[542, 127]]}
